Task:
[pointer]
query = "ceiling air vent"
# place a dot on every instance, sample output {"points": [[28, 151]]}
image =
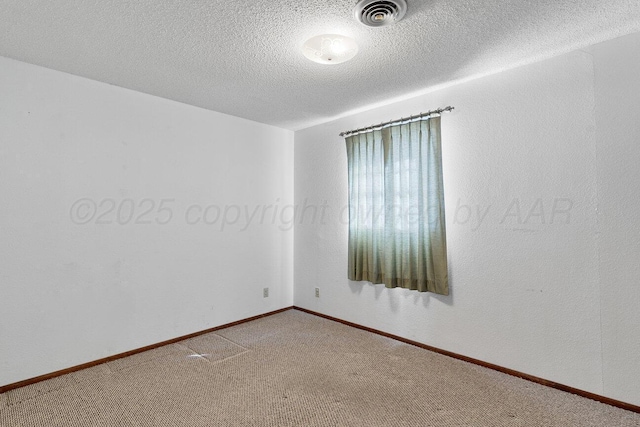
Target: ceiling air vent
{"points": [[378, 13]]}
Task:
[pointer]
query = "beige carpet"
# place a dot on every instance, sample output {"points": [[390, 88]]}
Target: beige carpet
{"points": [[296, 369]]}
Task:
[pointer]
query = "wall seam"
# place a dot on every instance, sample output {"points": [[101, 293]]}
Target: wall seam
{"points": [[293, 229], [597, 222]]}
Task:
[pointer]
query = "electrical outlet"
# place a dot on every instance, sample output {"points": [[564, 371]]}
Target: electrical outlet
{"points": [[265, 292], [317, 292]]}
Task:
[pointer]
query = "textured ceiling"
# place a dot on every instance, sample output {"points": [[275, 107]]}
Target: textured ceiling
{"points": [[242, 57]]}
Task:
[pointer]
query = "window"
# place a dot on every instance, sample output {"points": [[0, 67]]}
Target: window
{"points": [[397, 231]]}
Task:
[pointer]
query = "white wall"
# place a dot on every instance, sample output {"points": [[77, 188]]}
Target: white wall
{"points": [[541, 183], [617, 77], [74, 293]]}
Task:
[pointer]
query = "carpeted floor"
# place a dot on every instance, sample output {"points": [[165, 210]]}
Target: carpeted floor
{"points": [[296, 369]]}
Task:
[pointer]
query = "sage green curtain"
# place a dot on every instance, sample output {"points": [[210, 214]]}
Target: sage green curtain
{"points": [[396, 207]]}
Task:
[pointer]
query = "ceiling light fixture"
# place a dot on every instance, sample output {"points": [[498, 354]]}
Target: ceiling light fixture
{"points": [[378, 13], [330, 48]]}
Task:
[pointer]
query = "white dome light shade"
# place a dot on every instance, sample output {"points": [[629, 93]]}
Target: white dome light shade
{"points": [[330, 49]]}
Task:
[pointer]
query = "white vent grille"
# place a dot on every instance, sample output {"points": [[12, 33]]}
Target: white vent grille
{"points": [[378, 13]]}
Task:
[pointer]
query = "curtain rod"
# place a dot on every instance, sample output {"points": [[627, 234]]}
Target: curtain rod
{"points": [[398, 121]]}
